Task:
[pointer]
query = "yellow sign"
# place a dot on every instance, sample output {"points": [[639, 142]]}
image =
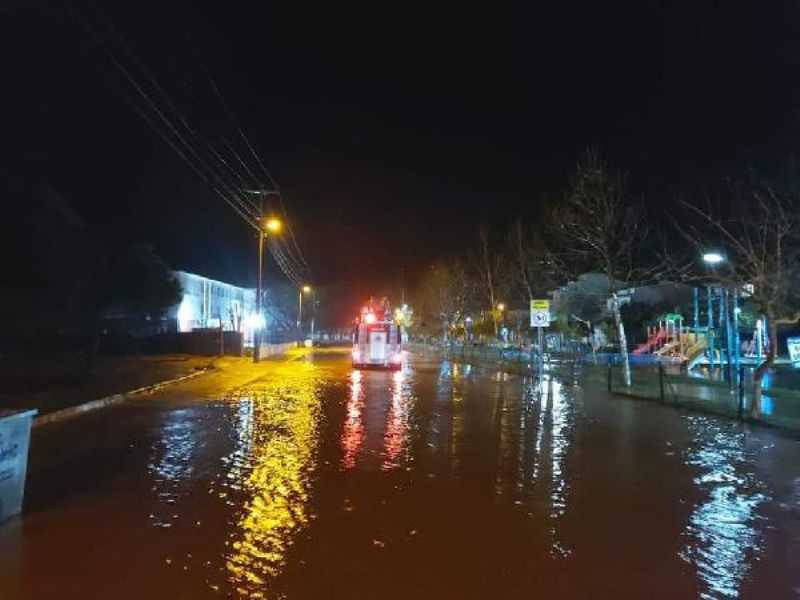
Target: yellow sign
{"points": [[540, 305]]}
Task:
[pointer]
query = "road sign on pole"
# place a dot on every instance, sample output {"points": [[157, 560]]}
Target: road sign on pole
{"points": [[540, 313]]}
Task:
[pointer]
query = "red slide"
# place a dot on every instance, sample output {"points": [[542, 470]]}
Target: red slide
{"points": [[652, 342]]}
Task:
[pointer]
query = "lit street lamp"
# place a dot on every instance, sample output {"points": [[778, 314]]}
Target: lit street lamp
{"points": [[266, 226], [713, 258], [729, 312], [306, 289], [271, 225]]}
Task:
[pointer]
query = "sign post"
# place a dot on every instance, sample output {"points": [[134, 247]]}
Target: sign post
{"points": [[540, 318]]}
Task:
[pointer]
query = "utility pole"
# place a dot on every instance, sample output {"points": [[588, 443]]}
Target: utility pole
{"points": [[306, 289], [299, 316], [271, 225], [257, 330]]}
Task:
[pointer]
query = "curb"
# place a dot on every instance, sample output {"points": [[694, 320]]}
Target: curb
{"points": [[74, 411]]}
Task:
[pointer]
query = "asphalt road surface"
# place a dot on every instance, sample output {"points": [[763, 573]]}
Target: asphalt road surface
{"points": [[443, 480]]}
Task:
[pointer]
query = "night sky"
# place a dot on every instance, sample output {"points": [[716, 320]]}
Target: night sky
{"points": [[394, 130]]}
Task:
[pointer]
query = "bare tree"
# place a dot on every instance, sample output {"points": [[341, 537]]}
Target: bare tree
{"points": [[489, 265], [760, 234], [600, 230], [528, 254], [445, 294]]}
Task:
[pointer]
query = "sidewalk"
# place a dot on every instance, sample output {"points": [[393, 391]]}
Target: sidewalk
{"points": [[51, 385]]}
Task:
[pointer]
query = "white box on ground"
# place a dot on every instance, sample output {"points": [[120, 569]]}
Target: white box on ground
{"points": [[15, 433]]}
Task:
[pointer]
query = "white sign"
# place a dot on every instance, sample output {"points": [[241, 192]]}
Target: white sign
{"points": [[540, 313], [794, 349]]}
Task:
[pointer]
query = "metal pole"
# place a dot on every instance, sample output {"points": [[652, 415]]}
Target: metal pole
{"points": [[729, 340], [257, 331], [721, 325], [300, 316], [710, 329], [741, 392], [541, 354], [737, 344]]}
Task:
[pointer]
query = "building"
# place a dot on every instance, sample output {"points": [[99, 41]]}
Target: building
{"points": [[208, 303]]}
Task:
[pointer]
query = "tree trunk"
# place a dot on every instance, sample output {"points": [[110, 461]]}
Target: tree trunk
{"points": [[758, 374], [623, 340]]}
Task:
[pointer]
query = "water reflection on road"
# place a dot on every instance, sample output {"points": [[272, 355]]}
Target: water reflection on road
{"points": [[722, 537], [277, 438], [441, 480]]}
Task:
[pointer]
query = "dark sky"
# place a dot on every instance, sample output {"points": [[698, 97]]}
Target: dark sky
{"points": [[394, 130]]}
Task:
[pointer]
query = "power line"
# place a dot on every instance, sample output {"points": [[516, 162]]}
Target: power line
{"points": [[214, 176]]}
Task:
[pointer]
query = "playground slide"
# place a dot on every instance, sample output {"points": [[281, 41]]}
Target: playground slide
{"points": [[667, 349], [696, 351], [651, 343]]}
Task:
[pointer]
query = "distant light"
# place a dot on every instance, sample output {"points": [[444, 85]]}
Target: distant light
{"points": [[468, 320], [306, 289], [737, 310], [256, 321], [356, 354], [713, 258], [185, 314], [501, 307], [370, 318], [273, 225]]}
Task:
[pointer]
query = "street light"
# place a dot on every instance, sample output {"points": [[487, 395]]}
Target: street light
{"points": [[271, 225], [713, 258], [265, 226], [501, 307], [306, 289]]}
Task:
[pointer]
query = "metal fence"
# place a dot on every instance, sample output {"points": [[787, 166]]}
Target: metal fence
{"points": [[665, 383], [510, 358], [670, 385]]}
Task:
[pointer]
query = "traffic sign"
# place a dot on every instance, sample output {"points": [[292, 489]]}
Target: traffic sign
{"points": [[540, 305], [540, 313]]}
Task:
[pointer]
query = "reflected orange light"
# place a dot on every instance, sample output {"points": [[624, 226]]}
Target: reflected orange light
{"points": [[353, 432], [396, 437], [275, 458]]}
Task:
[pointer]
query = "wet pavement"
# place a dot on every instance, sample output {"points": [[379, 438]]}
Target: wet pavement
{"points": [[441, 481]]}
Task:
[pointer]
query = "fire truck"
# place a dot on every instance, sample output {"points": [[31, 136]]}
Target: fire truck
{"points": [[377, 339]]}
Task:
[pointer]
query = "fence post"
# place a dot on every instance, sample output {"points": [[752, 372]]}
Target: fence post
{"points": [[741, 391], [661, 380]]}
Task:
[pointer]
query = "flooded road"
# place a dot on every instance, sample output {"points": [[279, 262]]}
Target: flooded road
{"points": [[440, 481]]}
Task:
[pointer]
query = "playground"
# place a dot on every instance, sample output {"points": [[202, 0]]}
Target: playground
{"points": [[718, 339]]}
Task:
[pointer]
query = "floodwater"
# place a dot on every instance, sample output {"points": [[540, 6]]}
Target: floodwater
{"points": [[440, 481]]}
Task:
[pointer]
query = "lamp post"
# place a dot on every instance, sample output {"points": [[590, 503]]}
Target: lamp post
{"points": [[274, 226], [728, 311], [265, 226], [306, 289]]}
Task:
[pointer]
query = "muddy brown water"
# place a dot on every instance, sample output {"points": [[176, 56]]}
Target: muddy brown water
{"points": [[444, 480]]}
